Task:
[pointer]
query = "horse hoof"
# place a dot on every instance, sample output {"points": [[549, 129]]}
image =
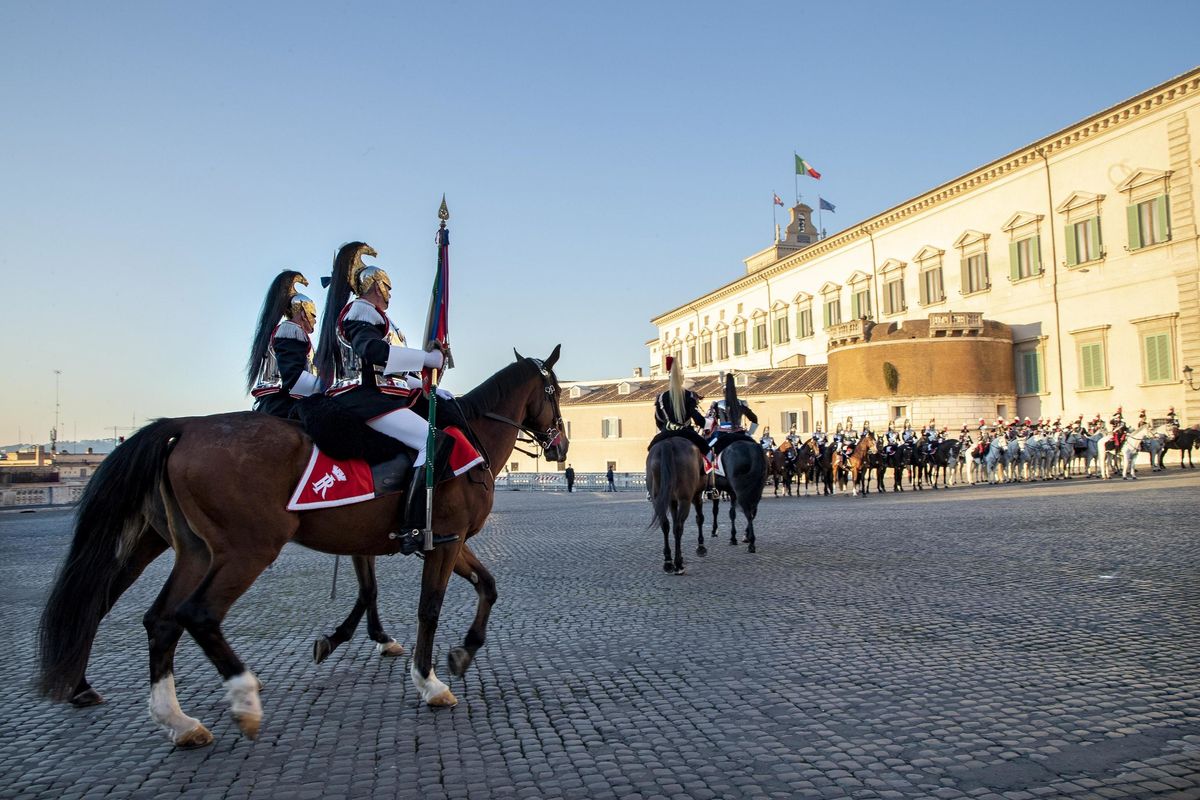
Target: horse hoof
{"points": [[321, 649], [733, 542], [389, 649], [680, 571], [198, 736], [248, 723], [668, 567], [458, 659], [88, 697], [444, 699], [701, 551], [751, 548]]}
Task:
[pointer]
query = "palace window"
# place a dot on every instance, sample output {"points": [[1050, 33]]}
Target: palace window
{"points": [[779, 324], [893, 296], [833, 311], [722, 344], [1091, 346], [1156, 336], [1149, 222], [975, 274], [1083, 241], [706, 351], [1025, 258], [691, 354], [804, 325], [1031, 368], [610, 428], [739, 338], [760, 331], [860, 302], [932, 290]]}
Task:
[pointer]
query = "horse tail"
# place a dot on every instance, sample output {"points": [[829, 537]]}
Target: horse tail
{"points": [[105, 534], [666, 480]]}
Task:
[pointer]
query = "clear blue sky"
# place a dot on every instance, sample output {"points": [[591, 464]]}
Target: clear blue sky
{"points": [[604, 162]]}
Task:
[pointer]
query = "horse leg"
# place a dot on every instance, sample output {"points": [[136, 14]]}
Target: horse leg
{"points": [[435, 575], [716, 503], [150, 545], [367, 592], [748, 513], [698, 505], [668, 566], [733, 520], [679, 518], [384, 645], [468, 566]]}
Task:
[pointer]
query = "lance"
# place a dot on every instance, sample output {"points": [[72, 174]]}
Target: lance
{"points": [[437, 332]]}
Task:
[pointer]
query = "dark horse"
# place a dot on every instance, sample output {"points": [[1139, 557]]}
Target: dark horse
{"points": [[745, 467], [227, 521], [944, 458], [675, 479], [1183, 441]]}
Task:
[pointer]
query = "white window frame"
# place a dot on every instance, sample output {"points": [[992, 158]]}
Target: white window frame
{"points": [[610, 428], [1086, 338]]}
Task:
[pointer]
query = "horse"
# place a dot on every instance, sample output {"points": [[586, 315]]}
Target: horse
{"points": [[1130, 447], [945, 458], [807, 463], [675, 479], [997, 458], [857, 463], [227, 522], [744, 465], [1181, 439], [775, 469], [823, 467], [898, 460]]}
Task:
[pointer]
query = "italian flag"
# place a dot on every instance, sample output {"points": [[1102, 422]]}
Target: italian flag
{"points": [[804, 168]]}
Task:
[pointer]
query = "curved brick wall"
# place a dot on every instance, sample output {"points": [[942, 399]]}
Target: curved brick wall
{"points": [[927, 368]]}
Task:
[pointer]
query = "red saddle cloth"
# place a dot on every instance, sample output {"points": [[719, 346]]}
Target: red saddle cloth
{"points": [[329, 482]]}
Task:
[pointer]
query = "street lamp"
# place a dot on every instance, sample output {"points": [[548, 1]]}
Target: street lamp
{"points": [[1187, 376]]}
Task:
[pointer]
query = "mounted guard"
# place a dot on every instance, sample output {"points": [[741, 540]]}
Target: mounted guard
{"points": [[677, 412], [372, 374], [280, 368]]}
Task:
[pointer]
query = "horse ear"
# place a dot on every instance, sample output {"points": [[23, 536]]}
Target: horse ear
{"points": [[553, 357], [518, 355]]}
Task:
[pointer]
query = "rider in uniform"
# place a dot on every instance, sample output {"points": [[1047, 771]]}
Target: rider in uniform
{"points": [[793, 437], [767, 442], [374, 375], [280, 369], [1173, 421], [819, 435], [677, 410]]}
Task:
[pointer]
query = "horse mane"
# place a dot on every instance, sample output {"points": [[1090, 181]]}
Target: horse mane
{"points": [[487, 395]]}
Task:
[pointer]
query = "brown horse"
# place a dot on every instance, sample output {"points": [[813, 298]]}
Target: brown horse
{"points": [[855, 464], [219, 486], [675, 479]]}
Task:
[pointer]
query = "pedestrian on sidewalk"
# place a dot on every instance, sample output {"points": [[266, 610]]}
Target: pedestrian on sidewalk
{"points": [[612, 487], [570, 473]]}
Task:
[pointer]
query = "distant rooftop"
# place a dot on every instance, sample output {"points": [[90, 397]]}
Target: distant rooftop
{"points": [[789, 380]]}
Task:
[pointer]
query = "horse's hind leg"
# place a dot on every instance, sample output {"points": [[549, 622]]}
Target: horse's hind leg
{"points": [[150, 545], [668, 564], [698, 505], [733, 520], [679, 520], [365, 602], [469, 567], [749, 515], [716, 516]]}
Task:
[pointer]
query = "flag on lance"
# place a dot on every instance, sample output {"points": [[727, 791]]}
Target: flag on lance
{"points": [[437, 323], [777, 199]]}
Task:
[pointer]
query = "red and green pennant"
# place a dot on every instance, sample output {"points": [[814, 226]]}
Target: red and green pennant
{"points": [[804, 168]]}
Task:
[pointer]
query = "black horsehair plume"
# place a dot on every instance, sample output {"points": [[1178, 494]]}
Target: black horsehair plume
{"points": [[732, 407], [329, 355], [273, 309]]}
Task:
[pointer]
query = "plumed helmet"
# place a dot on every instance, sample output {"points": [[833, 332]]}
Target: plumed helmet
{"points": [[1171, 409], [1028, 421], [982, 421], [282, 300], [346, 277], [670, 361]]}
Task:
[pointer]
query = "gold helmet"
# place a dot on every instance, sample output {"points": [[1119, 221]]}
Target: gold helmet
{"points": [[301, 304]]}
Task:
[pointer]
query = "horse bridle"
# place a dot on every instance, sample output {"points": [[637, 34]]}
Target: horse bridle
{"points": [[544, 439]]}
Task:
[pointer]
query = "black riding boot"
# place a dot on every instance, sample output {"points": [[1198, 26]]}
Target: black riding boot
{"points": [[412, 524]]}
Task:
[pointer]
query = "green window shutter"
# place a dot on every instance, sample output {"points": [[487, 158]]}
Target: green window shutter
{"points": [[1014, 268], [1035, 255], [1135, 233], [1163, 222], [1072, 252], [827, 323], [1158, 357], [964, 276], [854, 306], [1032, 378], [1088, 361], [1096, 240]]}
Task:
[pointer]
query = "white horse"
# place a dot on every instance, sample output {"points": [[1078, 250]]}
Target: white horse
{"points": [[997, 458], [1130, 449]]}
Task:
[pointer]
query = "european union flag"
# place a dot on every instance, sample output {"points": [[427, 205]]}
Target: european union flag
{"points": [[825, 205]]}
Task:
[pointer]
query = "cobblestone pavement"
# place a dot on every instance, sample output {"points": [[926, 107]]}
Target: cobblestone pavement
{"points": [[1019, 642]]}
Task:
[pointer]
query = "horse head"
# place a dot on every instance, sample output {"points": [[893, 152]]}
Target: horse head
{"points": [[542, 416]]}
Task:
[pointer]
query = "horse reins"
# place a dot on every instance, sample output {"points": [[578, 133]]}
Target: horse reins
{"points": [[544, 439]]}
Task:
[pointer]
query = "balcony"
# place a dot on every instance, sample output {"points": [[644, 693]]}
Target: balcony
{"points": [[847, 333], [956, 323]]}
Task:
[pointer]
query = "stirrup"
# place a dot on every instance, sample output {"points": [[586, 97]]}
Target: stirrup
{"points": [[414, 541]]}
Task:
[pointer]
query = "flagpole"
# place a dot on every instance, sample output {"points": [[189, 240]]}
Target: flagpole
{"points": [[774, 217], [443, 255], [820, 218]]}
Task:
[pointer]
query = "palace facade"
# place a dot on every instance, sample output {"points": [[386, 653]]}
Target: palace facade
{"points": [[1071, 263]]}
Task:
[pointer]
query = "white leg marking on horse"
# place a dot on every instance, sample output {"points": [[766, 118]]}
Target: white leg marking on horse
{"points": [[432, 690], [389, 648], [165, 710], [241, 692]]}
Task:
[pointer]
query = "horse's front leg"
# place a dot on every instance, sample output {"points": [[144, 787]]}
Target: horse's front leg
{"points": [[468, 566], [435, 574], [698, 505]]}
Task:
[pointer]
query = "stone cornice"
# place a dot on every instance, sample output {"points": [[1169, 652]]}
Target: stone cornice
{"points": [[1119, 115]]}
